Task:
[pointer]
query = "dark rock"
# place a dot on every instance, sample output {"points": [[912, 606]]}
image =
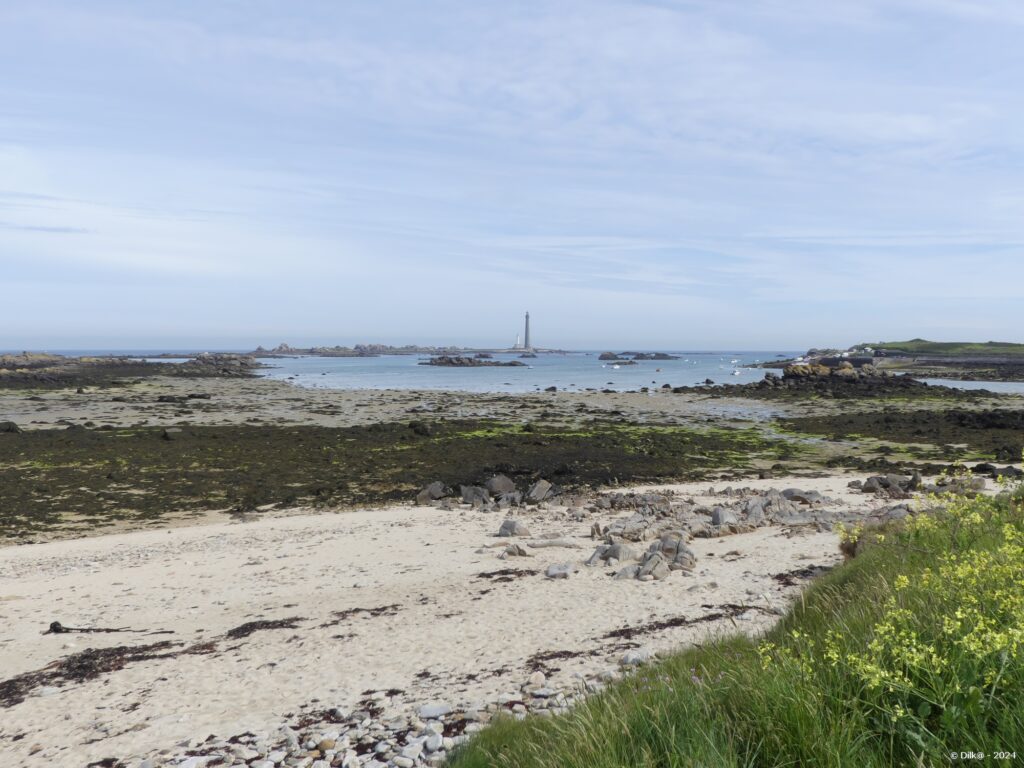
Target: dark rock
{"points": [[538, 491], [436, 490], [803, 497], [456, 361], [499, 485], [474, 494], [9, 427]]}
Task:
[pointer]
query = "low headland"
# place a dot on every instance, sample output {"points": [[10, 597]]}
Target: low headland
{"points": [[205, 567], [980, 361]]}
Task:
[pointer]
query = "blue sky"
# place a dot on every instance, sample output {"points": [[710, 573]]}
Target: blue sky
{"points": [[732, 173]]}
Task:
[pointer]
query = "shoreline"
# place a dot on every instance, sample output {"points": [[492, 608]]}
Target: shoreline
{"points": [[391, 572]]}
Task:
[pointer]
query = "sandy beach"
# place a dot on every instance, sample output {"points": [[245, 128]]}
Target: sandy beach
{"points": [[396, 599]]}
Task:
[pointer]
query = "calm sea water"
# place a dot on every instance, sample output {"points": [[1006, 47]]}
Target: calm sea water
{"points": [[572, 371]]}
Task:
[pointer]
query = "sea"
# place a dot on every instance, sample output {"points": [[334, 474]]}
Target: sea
{"points": [[566, 371], [573, 371]]}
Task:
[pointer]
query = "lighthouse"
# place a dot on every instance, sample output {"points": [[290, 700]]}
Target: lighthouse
{"points": [[526, 338]]}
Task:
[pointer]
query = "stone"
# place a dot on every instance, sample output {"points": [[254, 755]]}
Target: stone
{"points": [[9, 427], [621, 552], [655, 566], [538, 491], [723, 516], [512, 527], [597, 556], [627, 573], [803, 497], [433, 742], [436, 490], [500, 484], [474, 494], [635, 657], [403, 762], [560, 570], [872, 485], [515, 550], [434, 711]]}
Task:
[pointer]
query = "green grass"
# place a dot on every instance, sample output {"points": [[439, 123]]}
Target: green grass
{"points": [[912, 649], [952, 348]]}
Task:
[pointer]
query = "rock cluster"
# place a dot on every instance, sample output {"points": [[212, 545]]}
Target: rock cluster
{"points": [[498, 493], [460, 361], [839, 381], [894, 486]]}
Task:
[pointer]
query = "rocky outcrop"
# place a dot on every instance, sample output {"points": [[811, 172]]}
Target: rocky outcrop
{"points": [[842, 381], [459, 361]]}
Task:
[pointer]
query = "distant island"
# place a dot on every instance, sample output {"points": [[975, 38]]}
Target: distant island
{"points": [[376, 350], [478, 361]]}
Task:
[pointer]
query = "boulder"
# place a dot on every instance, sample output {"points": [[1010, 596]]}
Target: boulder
{"points": [[654, 565], [677, 554], [512, 527], [803, 497], [628, 573], [723, 516], [434, 711], [474, 494], [621, 552], [500, 484], [560, 570], [436, 490], [9, 427], [539, 491]]}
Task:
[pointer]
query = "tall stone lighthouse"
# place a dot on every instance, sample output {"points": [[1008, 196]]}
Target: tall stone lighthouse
{"points": [[526, 339]]}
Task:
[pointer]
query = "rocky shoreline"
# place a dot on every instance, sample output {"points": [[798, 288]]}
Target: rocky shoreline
{"points": [[45, 371]]}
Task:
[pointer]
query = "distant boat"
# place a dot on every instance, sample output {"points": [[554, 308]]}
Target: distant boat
{"points": [[615, 367], [737, 372]]}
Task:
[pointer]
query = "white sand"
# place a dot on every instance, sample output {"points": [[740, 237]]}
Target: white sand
{"points": [[204, 580]]}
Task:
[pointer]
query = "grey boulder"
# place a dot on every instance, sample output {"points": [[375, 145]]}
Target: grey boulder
{"points": [[500, 484], [539, 491], [512, 527]]}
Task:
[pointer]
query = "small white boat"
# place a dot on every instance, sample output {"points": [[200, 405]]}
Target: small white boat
{"points": [[737, 372]]}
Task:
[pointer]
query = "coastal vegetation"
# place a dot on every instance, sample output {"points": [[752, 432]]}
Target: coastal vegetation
{"points": [[911, 651], [992, 433], [949, 348], [82, 478]]}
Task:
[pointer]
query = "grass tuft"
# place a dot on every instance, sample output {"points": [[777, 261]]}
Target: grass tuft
{"points": [[911, 650]]}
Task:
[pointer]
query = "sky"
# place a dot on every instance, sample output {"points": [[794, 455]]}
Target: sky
{"points": [[681, 174]]}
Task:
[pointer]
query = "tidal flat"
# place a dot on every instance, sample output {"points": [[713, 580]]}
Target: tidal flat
{"points": [[251, 552], [172, 450]]}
